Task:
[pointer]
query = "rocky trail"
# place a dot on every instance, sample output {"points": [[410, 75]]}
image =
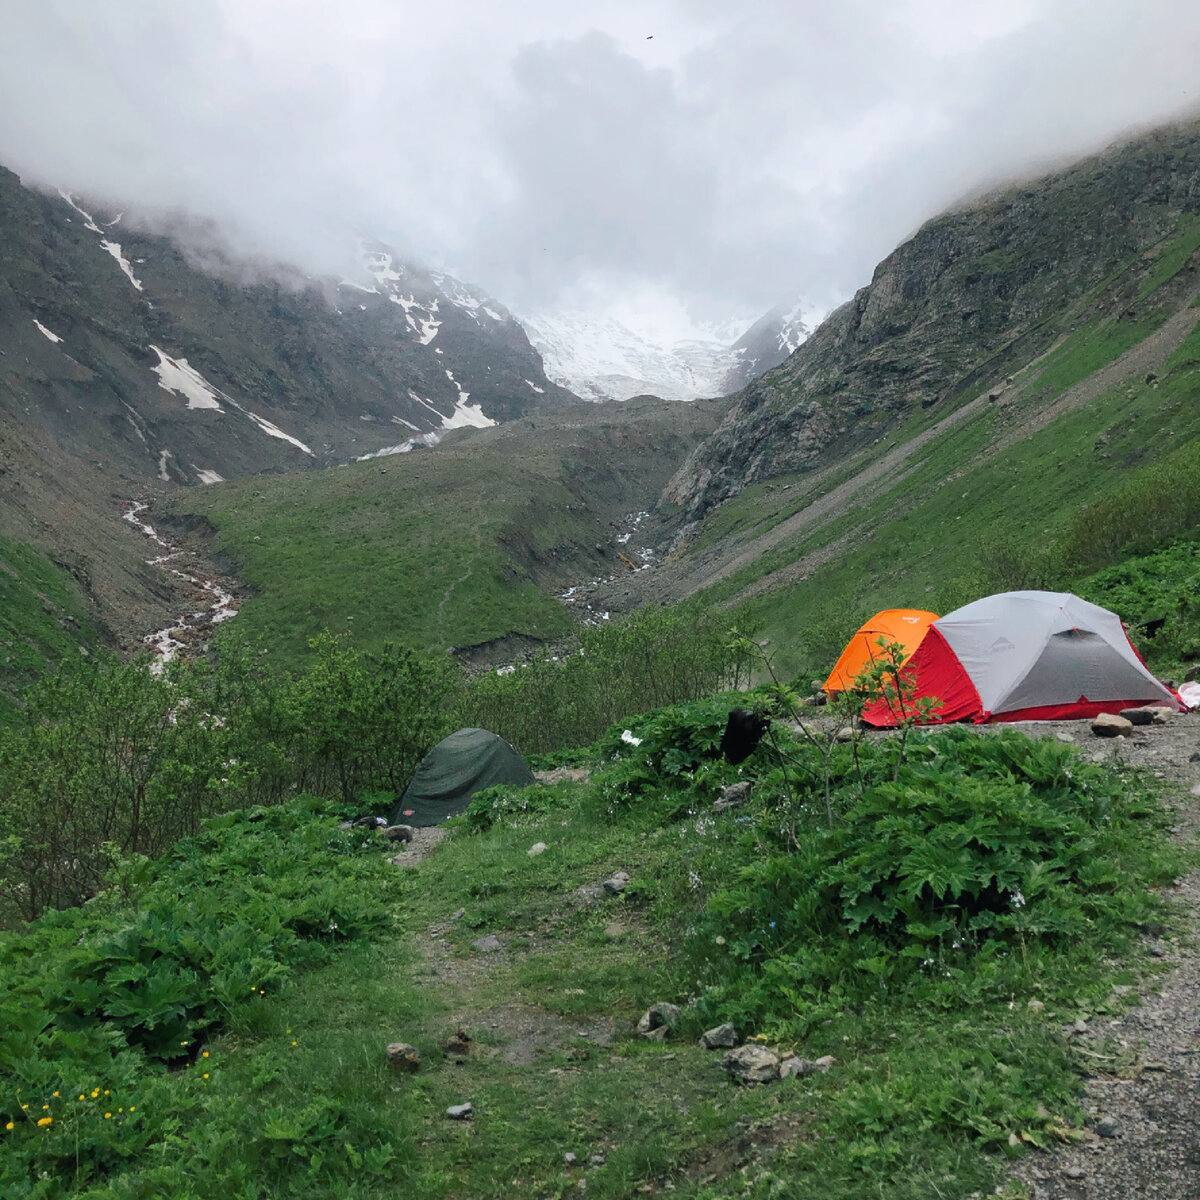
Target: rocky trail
{"points": [[1143, 1089], [1142, 1095]]}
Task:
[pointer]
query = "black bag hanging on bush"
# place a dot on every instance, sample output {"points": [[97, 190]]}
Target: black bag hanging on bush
{"points": [[743, 731]]}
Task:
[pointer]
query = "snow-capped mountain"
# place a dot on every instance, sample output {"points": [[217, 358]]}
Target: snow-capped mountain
{"points": [[602, 358]]}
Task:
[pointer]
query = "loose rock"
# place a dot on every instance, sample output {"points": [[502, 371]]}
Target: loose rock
{"points": [[733, 795], [662, 1016], [1106, 1127], [752, 1064], [489, 944], [615, 885], [1110, 725], [1138, 716], [457, 1045], [721, 1037], [537, 848], [404, 1057], [459, 1112]]}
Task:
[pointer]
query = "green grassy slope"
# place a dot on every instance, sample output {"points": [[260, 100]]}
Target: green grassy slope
{"points": [[457, 546], [42, 619]]}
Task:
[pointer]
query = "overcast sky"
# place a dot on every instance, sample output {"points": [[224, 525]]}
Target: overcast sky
{"points": [[685, 160]]}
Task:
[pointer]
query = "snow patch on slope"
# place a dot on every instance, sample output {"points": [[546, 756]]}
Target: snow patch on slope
{"points": [[113, 248], [175, 375], [52, 336]]}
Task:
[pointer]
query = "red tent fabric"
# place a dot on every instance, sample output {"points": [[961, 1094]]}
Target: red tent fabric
{"points": [[1024, 656]]}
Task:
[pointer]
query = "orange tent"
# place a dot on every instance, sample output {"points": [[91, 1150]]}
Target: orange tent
{"points": [[904, 625]]}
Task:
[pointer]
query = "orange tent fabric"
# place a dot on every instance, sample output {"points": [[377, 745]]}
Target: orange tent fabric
{"points": [[904, 625]]}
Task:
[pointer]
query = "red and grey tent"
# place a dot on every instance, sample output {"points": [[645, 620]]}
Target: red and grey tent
{"points": [[1026, 656]]}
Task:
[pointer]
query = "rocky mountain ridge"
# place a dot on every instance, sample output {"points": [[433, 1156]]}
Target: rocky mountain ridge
{"points": [[955, 308]]}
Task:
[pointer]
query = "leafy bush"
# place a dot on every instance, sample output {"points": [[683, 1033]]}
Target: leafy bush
{"points": [[99, 1001], [505, 802], [1158, 596], [976, 847], [652, 658], [109, 760]]}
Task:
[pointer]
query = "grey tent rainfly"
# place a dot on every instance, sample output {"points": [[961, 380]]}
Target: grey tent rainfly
{"points": [[460, 765]]}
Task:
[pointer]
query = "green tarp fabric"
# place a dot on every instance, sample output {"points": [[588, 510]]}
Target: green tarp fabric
{"points": [[453, 771]]}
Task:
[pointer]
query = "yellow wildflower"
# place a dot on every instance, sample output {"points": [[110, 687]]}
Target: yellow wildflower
{"points": [[133, 1108], [205, 1054], [44, 1121], [107, 1116], [55, 1094], [95, 1093], [81, 1095], [106, 1091], [46, 1106], [9, 1126], [295, 1043], [205, 1075]]}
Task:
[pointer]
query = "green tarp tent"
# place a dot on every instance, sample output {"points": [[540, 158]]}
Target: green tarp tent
{"points": [[466, 762]]}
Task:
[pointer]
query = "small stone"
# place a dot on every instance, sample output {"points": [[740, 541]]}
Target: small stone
{"points": [[796, 1068], [459, 1112], [1063, 736], [1080, 1026], [720, 1037], [570, 1159], [1035, 1006], [537, 848], [1106, 1127], [752, 1064], [458, 914], [617, 883], [597, 1160], [403, 1056], [1196, 789], [845, 734], [1110, 725], [489, 944], [1074, 1173], [458, 1045], [398, 833], [1156, 950], [1138, 716], [824, 1062], [614, 930], [733, 795], [662, 1015]]}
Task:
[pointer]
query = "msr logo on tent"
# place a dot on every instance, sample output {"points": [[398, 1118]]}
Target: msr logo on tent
{"points": [[1000, 645]]}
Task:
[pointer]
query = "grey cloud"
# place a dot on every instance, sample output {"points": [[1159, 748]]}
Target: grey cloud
{"points": [[744, 155]]}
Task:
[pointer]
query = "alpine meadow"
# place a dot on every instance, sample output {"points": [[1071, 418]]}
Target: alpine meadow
{"points": [[745, 926]]}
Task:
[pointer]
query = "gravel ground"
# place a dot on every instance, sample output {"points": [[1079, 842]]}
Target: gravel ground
{"points": [[1142, 1102]]}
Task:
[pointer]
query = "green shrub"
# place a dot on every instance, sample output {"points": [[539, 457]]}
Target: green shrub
{"points": [[975, 850], [97, 1003], [652, 658]]}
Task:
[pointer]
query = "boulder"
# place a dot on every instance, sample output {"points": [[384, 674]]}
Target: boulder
{"points": [[1110, 725], [616, 883], [733, 795], [752, 1064], [662, 1015], [404, 1057], [720, 1038]]}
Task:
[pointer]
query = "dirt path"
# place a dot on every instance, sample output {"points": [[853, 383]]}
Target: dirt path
{"points": [[1146, 1063]]}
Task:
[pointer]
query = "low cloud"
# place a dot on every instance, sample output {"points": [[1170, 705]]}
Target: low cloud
{"points": [[719, 158]]}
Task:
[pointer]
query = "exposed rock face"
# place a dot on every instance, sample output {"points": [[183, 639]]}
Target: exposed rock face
{"points": [[948, 312]]}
